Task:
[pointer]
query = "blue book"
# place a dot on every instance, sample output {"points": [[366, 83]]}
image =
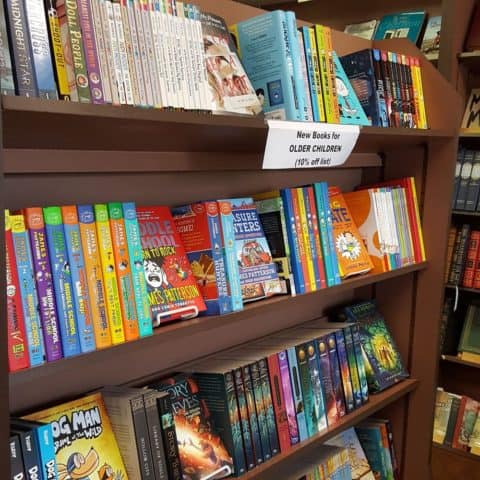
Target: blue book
{"points": [[28, 290], [297, 393], [62, 281], [45, 447], [78, 273], [344, 371], [401, 25], [265, 50], [232, 267], [310, 72], [357, 345], [351, 111], [317, 389], [352, 363], [371, 440], [336, 374], [145, 325], [295, 260], [298, 83], [41, 55]]}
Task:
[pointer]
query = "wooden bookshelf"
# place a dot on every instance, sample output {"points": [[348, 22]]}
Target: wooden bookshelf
{"points": [[459, 361], [450, 463], [61, 153], [465, 213], [462, 289]]}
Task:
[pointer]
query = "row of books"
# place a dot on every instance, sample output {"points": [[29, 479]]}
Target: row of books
{"points": [[218, 417], [463, 256], [466, 189], [457, 422], [460, 331]]}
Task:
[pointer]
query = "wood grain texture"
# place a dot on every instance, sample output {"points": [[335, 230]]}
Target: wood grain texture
{"points": [[450, 464]]}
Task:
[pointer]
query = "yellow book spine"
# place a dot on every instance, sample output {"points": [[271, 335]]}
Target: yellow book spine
{"points": [[332, 76], [419, 87], [417, 215], [306, 238], [317, 75], [59, 57], [109, 275], [324, 73]]}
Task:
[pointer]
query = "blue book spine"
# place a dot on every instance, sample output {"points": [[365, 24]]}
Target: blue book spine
{"points": [[298, 84], [344, 371], [311, 74], [336, 374], [218, 256], [233, 272], [62, 281], [28, 290], [46, 447], [371, 441], [80, 287], [333, 251], [357, 345], [286, 195], [145, 325], [317, 390], [42, 60], [297, 393], [25, 81], [311, 236]]}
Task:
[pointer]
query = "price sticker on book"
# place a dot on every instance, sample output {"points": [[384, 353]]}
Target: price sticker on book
{"points": [[308, 145]]}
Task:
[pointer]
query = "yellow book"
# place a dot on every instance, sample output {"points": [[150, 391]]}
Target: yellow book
{"points": [[306, 238], [418, 91], [317, 75], [59, 58], [417, 216], [327, 32], [469, 357], [85, 445], [474, 442], [112, 295], [326, 81]]}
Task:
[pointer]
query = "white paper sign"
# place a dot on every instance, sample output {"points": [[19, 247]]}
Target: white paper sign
{"points": [[308, 144]]}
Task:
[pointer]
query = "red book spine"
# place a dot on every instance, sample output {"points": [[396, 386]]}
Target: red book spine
{"points": [[17, 340], [316, 234], [476, 274], [472, 258], [278, 401], [458, 424], [301, 244]]}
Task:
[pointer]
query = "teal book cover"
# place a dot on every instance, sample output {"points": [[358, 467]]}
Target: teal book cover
{"points": [[401, 25], [371, 441], [351, 111]]}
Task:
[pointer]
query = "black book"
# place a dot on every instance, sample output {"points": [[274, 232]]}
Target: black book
{"points": [[458, 170], [30, 453], [16, 462], [450, 328], [459, 255], [465, 174], [473, 189], [452, 419]]}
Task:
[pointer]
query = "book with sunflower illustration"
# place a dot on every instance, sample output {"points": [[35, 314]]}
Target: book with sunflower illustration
{"points": [[84, 442], [352, 254]]}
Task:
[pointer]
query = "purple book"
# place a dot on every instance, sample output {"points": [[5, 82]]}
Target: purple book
{"points": [[326, 378], [288, 396], [90, 48], [44, 282]]}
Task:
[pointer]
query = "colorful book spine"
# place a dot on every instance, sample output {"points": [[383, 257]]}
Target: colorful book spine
{"points": [[307, 391], [357, 346], [22, 55], [132, 230], [28, 291], [326, 380], [473, 251], [45, 442], [325, 73], [16, 335], [76, 261], [78, 55], [302, 244], [93, 268], [62, 281], [233, 273], [308, 112], [318, 393], [345, 371], [381, 88], [123, 270], [327, 33], [288, 396], [41, 56], [304, 34], [112, 296], [318, 75], [352, 363], [90, 49], [297, 394], [336, 374], [43, 279]]}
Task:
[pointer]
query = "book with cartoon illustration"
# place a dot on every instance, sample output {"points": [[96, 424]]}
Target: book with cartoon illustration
{"points": [[202, 452], [85, 446], [229, 86], [173, 292]]}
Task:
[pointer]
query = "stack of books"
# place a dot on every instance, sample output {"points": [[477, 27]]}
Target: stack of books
{"points": [[457, 423], [467, 181]]}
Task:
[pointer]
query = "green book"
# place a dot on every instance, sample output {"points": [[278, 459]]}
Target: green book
{"points": [[470, 338]]}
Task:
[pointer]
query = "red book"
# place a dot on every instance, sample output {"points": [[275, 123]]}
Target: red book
{"points": [[467, 414], [476, 274], [472, 258], [173, 292], [17, 340], [278, 401]]}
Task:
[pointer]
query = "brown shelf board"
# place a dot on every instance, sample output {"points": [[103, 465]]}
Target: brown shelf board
{"points": [[466, 213], [470, 59], [170, 346], [462, 289], [31, 123], [458, 360], [289, 465], [456, 451], [464, 133]]}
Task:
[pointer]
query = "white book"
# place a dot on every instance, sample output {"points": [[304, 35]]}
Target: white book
{"points": [[122, 53], [186, 57], [101, 50], [178, 57], [164, 45], [147, 74], [205, 88], [192, 49], [172, 54]]}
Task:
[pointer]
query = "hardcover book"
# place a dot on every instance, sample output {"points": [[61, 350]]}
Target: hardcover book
{"points": [[172, 290], [401, 25], [443, 404], [470, 338], [83, 439], [431, 37]]}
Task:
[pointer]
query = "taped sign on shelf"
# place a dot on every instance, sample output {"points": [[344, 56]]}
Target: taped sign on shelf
{"points": [[308, 144]]}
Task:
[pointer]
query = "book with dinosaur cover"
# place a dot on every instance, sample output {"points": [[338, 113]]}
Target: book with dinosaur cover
{"points": [[85, 445], [172, 290]]}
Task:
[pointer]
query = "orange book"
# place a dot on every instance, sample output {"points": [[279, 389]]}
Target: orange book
{"points": [[365, 215], [353, 257], [124, 273]]}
